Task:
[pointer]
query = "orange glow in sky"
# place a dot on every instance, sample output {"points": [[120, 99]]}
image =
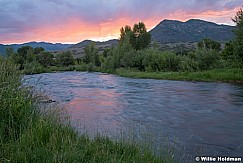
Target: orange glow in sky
{"points": [[70, 27]]}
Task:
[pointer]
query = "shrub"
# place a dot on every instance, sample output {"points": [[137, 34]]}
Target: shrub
{"points": [[207, 59], [65, 59], [156, 60], [34, 68], [188, 64]]}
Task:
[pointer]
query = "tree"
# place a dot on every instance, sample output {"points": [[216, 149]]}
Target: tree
{"points": [[30, 57], [24, 54], [10, 52], [38, 50], [23, 51], [126, 31], [238, 42], [45, 58], [91, 55], [228, 51], [138, 37], [106, 52], [209, 44], [65, 58]]}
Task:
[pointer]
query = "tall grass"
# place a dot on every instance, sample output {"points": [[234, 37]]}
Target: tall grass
{"points": [[224, 75], [29, 134]]}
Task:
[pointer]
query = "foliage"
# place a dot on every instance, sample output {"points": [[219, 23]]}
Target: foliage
{"points": [[225, 74], [24, 54], [209, 44], [207, 59], [106, 52], [38, 50], [65, 59], [10, 52], [45, 58], [188, 64], [138, 37], [228, 51], [91, 55], [34, 68], [30, 133], [125, 32], [160, 61], [133, 59], [109, 63], [238, 42], [116, 56], [14, 108]]}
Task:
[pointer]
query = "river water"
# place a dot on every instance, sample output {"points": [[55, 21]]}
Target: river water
{"points": [[194, 118]]}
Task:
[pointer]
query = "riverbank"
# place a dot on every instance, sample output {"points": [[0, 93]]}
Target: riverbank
{"points": [[218, 75], [232, 75], [30, 135]]}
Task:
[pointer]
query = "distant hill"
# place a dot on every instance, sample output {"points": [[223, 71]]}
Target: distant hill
{"points": [[194, 30], [2, 49], [47, 46], [78, 49]]}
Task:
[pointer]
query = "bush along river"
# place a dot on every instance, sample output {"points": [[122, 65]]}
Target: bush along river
{"points": [[190, 118]]}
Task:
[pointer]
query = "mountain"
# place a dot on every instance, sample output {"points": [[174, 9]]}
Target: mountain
{"points": [[173, 31], [47, 46]]}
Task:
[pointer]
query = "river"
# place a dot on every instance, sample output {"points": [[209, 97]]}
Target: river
{"points": [[194, 118]]}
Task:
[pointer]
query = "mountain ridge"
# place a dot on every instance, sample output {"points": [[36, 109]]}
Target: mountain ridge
{"points": [[193, 30], [167, 31], [46, 45]]}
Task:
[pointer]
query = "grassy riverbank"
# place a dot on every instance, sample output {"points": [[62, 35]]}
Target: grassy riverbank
{"points": [[30, 135], [218, 75], [215, 75]]}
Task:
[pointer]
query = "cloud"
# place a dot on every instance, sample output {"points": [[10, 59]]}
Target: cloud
{"points": [[60, 18], [233, 4]]}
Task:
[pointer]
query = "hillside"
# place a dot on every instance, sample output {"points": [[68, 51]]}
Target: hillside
{"points": [[173, 31], [78, 49], [2, 49], [47, 46]]}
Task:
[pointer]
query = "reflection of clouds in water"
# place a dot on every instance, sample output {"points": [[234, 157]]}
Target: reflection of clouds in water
{"points": [[194, 113], [97, 102]]}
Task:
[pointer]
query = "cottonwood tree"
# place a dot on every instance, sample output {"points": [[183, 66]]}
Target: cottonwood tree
{"points": [[137, 36], [91, 55], [238, 42]]}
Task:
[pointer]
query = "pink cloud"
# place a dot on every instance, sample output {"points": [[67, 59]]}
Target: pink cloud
{"points": [[75, 20]]}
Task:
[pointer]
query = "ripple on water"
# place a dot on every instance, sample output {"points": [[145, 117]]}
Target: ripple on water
{"points": [[195, 116]]}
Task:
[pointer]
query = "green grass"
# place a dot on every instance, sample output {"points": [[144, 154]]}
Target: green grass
{"points": [[29, 134], [219, 75], [224, 75]]}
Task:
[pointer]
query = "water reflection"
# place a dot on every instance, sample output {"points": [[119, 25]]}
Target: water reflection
{"points": [[205, 118]]}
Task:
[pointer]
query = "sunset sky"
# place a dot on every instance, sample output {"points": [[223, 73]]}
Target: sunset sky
{"points": [[71, 21]]}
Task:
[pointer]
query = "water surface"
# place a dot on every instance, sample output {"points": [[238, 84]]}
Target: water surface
{"points": [[196, 118]]}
